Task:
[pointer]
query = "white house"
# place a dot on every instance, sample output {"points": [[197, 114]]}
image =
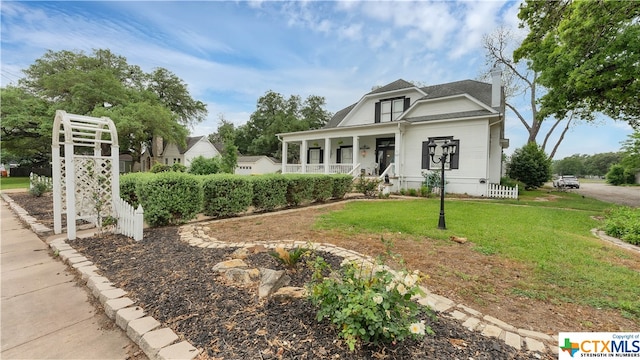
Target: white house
{"points": [[387, 131], [255, 165], [170, 153]]}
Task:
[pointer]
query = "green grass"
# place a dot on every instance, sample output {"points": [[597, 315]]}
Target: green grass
{"points": [[551, 237], [14, 183]]}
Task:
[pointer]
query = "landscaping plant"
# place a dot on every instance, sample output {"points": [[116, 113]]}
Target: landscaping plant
{"points": [[368, 303], [291, 258], [624, 223]]}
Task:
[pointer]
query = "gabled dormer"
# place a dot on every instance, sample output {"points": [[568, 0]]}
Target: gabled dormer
{"points": [[384, 104]]}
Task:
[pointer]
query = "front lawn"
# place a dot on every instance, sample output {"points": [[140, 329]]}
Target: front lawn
{"points": [[549, 233], [7, 183]]}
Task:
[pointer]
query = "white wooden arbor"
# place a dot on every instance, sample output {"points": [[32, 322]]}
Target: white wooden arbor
{"points": [[85, 183]]}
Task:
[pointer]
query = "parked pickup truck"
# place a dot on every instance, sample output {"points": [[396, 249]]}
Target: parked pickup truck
{"points": [[566, 181]]}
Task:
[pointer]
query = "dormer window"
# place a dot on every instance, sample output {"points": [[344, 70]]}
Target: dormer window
{"points": [[390, 109]]}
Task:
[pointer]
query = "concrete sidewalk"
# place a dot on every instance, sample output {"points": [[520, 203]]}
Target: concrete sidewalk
{"points": [[44, 313]]}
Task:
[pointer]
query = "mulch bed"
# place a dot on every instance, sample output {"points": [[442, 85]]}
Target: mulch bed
{"points": [[175, 284]]}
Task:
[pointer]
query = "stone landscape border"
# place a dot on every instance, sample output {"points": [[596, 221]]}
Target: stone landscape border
{"points": [[162, 343]]}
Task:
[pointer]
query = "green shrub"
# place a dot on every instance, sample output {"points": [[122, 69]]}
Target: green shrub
{"points": [[269, 192], [299, 188], [158, 168], [177, 167], [425, 191], [403, 191], [367, 303], [205, 166], [509, 182], [322, 188], [615, 176], [169, 198], [38, 188], [368, 187], [342, 184], [291, 258], [623, 223], [530, 165], [226, 195], [128, 184]]}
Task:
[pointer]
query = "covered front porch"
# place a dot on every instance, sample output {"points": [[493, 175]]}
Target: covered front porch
{"points": [[326, 152]]}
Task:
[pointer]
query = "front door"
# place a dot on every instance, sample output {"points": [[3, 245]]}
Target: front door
{"points": [[385, 153]]}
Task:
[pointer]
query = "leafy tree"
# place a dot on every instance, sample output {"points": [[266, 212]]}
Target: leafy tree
{"points": [[521, 80], [103, 84], [587, 55], [599, 164], [226, 136], [617, 175], [530, 165], [631, 151], [205, 166], [573, 165], [26, 123], [274, 114]]}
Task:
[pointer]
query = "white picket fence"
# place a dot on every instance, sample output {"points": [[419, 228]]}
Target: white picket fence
{"points": [[499, 191], [130, 220]]}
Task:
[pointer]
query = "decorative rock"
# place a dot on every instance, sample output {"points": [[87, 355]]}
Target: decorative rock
{"points": [[492, 331], [271, 281], [229, 264], [242, 276], [534, 345], [240, 253], [288, 293], [513, 340], [471, 323], [499, 323]]}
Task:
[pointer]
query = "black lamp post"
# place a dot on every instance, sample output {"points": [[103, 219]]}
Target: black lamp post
{"points": [[448, 150]]}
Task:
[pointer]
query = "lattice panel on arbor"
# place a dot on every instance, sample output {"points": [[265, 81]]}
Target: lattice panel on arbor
{"points": [[84, 181]]}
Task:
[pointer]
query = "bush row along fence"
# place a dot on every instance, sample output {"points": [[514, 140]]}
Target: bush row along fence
{"points": [[35, 180], [173, 198]]}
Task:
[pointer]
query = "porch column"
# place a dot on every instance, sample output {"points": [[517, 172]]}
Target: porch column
{"points": [[285, 149], [396, 152], [303, 156], [327, 154], [356, 152]]}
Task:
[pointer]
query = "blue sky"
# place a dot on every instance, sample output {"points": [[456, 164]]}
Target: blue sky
{"points": [[232, 52]]}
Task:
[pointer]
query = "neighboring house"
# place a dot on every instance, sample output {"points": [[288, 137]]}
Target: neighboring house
{"points": [[387, 131], [255, 165], [170, 153]]}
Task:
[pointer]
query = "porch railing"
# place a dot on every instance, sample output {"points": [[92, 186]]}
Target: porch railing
{"points": [[319, 169], [390, 170]]}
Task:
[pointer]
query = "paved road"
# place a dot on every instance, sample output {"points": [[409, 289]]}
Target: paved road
{"points": [[623, 195]]}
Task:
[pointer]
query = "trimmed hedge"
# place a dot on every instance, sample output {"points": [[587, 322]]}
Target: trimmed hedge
{"points": [[299, 188], [322, 188], [226, 195], [169, 198], [128, 183], [342, 184], [269, 192], [174, 198]]}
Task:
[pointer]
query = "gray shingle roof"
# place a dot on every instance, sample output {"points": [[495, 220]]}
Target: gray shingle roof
{"points": [[396, 85], [476, 89]]}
